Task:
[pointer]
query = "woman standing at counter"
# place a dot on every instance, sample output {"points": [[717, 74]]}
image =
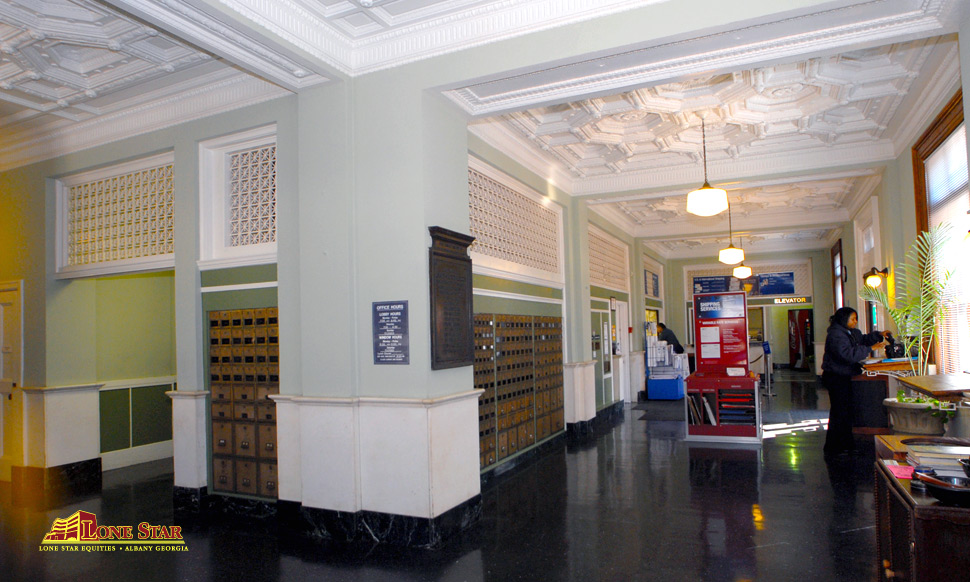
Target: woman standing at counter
{"points": [[845, 348]]}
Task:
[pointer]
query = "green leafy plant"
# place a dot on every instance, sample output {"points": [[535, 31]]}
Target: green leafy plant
{"points": [[920, 284], [938, 409]]}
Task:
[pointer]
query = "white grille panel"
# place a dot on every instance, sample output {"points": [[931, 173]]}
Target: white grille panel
{"points": [[128, 216], [511, 226], [608, 263], [252, 197]]}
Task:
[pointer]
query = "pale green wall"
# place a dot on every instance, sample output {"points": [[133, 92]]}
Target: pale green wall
{"points": [[135, 320]]}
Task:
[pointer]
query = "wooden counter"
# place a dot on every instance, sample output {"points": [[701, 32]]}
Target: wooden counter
{"points": [[948, 387]]}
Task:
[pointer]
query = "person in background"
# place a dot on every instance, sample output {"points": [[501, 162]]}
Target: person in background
{"points": [[667, 335], [845, 348]]}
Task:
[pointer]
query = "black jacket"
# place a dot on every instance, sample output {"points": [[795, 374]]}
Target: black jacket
{"points": [[845, 348]]}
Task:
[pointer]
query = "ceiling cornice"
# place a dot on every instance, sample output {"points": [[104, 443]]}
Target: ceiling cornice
{"points": [[426, 38], [189, 21], [226, 91], [853, 25]]}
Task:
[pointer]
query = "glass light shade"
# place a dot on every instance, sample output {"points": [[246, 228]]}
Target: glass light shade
{"points": [[731, 255], [742, 271], [707, 201], [873, 281]]}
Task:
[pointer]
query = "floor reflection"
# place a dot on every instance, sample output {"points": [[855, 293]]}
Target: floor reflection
{"points": [[637, 502]]}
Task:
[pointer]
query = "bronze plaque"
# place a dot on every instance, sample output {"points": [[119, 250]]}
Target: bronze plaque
{"points": [[452, 327]]}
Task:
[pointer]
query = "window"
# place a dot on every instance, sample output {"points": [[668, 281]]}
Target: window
{"points": [[940, 167], [238, 199], [839, 275], [118, 219]]}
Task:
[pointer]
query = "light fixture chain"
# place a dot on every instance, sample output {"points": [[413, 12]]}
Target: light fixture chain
{"points": [[704, 148]]}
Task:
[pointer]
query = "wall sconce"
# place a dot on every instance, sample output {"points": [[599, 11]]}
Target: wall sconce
{"points": [[873, 277]]}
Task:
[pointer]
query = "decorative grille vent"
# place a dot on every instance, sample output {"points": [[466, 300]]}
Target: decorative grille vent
{"points": [[607, 261], [511, 226], [128, 216], [252, 196]]}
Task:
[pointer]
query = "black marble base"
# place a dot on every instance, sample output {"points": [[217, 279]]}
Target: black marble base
{"points": [[317, 524], [188, 501], [417, 532], [579, 430], [39, 487]]}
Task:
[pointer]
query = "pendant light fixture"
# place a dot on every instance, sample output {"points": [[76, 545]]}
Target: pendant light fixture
{"points": [[742, 271], [706, 201], [731, 255]]}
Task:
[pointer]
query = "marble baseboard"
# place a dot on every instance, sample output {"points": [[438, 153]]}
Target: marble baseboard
{"points": [[187, 501], [46, 487], [373, 527], [576, 431]]}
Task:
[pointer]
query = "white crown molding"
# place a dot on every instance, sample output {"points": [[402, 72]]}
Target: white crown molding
{"points": [[940, 87], [853, 25], [186, 20], [60, 138], [803, 160], [861, 192], [476, 25], [498, 135]]}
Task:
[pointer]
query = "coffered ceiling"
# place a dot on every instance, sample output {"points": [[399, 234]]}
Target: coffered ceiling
{"points": [[801, 112]]}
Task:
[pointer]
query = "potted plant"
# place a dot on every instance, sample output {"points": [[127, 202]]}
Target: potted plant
{"points": [[918, 414], [920, 284]]}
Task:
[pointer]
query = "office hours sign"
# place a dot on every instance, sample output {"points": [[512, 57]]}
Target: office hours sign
{"points": [[391, 339]]}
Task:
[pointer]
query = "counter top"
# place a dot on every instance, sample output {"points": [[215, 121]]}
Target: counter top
{"points": [[940, 386]]}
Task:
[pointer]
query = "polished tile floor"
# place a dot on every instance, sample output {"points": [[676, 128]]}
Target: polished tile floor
{"points": [[636, 502]]}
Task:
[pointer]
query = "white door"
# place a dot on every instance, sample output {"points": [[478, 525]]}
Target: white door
{"points": [[11, 333], [623, 338]]}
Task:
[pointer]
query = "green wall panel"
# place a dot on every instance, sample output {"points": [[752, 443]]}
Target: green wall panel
{"points": [[602, 293], [238, 275], [151, 414], [135, 335], [245, 299], [115, 420], [517, 287], [483, 304]]}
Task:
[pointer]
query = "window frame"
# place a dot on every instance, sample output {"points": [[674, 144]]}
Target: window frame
{"points": [[62, 187], [214, 251]]}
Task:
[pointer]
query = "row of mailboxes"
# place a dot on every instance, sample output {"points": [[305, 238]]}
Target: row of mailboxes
{"points": [[245, 336], [244, 354], [246, 476], [244, 439], [251, 374], [244, 411], [244, 317], [244, 392]]}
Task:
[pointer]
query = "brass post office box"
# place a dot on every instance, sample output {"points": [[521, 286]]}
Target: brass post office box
{"points": [[235, 318], [221, 410], [266, 411], [248, 316], [249, 374], [225, 318], [272, 335], [247, 477], [274, 354], [248, 355], [237, 373], [221, 391], [248, 336], [237, 336], [503, 445], [225, 355], [260, 316], [513, 440], [262, 373], [243, 393], [244, 410], [222, 438], [262, 354], [225, 336], [225, 373], [267, 440], [261, 332], [244, 434], [222, 475], [272, 316], [263, 392], [213, 319], [268, 480]]}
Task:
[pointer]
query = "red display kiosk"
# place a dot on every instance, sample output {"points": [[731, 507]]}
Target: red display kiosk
{"points": [[722, 402]]}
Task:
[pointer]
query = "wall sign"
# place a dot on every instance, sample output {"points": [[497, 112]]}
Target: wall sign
{"points": [[452, 326], [721, 331], [391, 339], [791, 300]]}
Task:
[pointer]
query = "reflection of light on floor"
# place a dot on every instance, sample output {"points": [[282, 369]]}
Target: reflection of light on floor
{"points": [[772, 430]]}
